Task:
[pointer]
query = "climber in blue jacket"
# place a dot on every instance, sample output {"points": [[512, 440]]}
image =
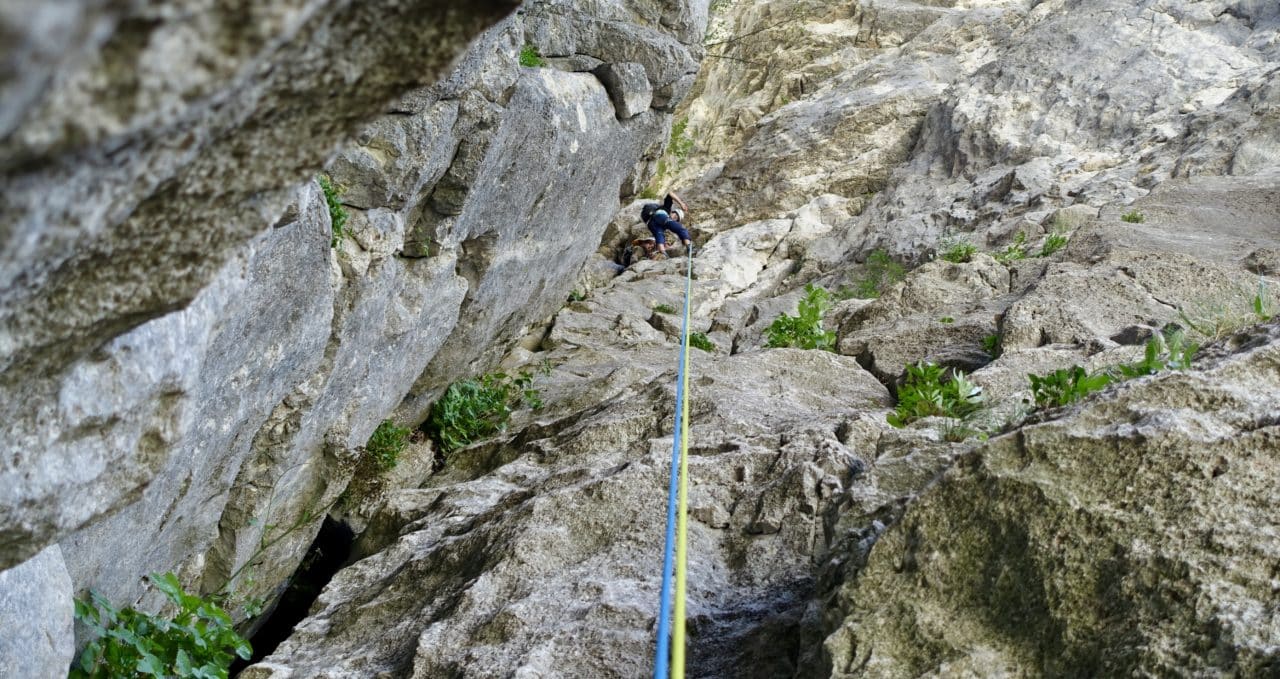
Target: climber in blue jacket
{"points": [[664, 217]]}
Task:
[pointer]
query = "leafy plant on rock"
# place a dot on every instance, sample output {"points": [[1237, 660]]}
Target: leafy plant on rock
{"points": [[529, 56], [991, 345], [926, 393], [473, 409], [1014, 251], [1053, 242], [1219, 316], [804, 330], [1263, 303], [197, 641], [1133, 217], [1067, 385], [664, 309], [701, 341], [337, 213], [958, 251], [386, 444], [881, 273], [1162, 353]]}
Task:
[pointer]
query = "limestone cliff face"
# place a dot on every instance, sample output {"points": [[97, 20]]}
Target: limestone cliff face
{"points": [[143, 147], [186, 358], [825, 542], [1129, 533]]}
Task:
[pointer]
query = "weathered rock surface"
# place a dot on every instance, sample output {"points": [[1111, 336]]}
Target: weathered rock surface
{"points": [[139, 156], [547, 543], [35, 617], [1128, 533], [1134, 535], [245, 404]]}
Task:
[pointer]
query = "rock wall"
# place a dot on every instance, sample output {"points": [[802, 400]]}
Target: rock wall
{"points": [[142, 150], [203, 416], [820, 545], [1126, 533], [1130, 536]]}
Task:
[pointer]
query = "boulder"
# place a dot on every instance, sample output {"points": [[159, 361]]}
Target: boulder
{"points": [[628, 88], [1121, 538]]}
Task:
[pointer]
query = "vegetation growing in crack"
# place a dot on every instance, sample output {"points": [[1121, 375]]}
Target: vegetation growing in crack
{"points": [[530, 57], [1171, 352], [1065, 386], [664, 309], [1014, 251], [699, 340], [881, 274], [991, 345], [1133, 217], [804, 330], [474, 409], [337, 213], [386, 444], [1054, 242], [197, 641], [957, 250], [1068, 385], [927, 393]]}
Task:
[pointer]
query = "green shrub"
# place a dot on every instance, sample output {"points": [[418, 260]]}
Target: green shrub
{"points": [[804, 330], [1061, 387], [664, 309], [1014, 251], [337, 213], [958, 251], [1053, 243], [577, 296], [473, 409], [529, 56], [881, 273], [198, 641], [701, 341], [386, 444], [1133, 217], [946, 319], [991, 345], [1162, 353], [925, 394]]}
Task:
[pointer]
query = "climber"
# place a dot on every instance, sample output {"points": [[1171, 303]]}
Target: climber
{"points": [[665, 217]]}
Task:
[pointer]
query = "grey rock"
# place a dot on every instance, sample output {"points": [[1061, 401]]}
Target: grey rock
{"points": [[145, 167], [628, 87], [253, 352], [596, 471], [1140, 495], [249, 407], [36, 613]]}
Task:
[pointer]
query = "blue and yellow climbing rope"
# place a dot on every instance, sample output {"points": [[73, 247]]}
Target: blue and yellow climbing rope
{"points": [[669, 659]]}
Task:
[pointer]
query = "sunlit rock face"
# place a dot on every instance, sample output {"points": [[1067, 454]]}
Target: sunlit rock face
{"points": [[186, 359], [1113, 163]]}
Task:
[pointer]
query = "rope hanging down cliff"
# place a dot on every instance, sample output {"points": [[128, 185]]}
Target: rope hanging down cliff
{"points": [[669, 659]]}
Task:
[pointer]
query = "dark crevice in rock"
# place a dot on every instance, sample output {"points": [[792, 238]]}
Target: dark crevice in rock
{"points": [[327, 554]]}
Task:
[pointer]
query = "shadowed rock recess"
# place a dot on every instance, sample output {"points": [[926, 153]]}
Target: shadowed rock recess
{"points": [[193, 355]]}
